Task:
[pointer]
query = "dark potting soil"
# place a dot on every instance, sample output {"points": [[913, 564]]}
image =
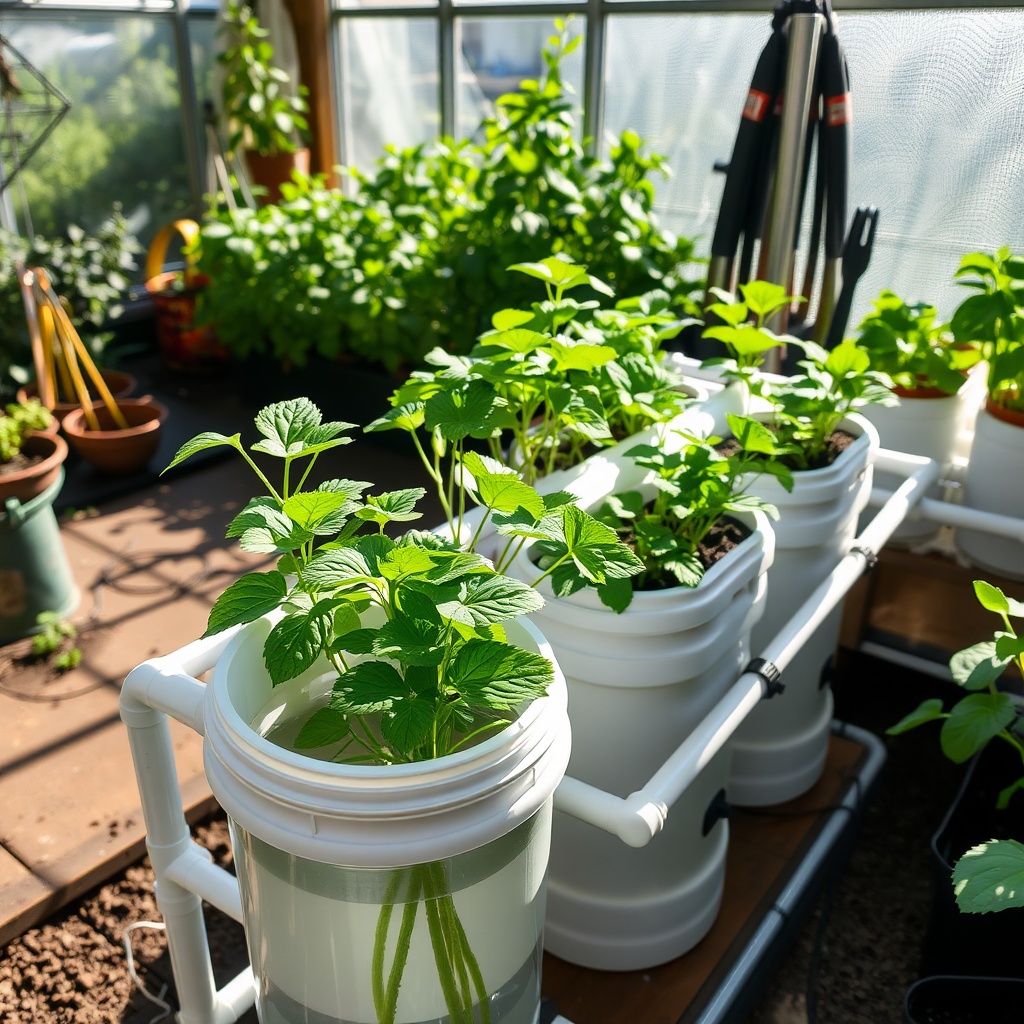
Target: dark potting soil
{"points": [[835, 444], [20, 462]]}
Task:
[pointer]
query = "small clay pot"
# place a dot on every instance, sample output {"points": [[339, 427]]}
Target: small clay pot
{"points": [[121, 385], [118, 451], [25, 484]]}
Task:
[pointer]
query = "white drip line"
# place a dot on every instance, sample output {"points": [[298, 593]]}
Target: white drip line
{"points": [[167, 687]]}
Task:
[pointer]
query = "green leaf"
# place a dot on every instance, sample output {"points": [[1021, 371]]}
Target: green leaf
{"points": [[392, 506], [990, 877], [498, 676], [973, 722], [1009, 647], [286, 425], [616, 594], [335, 568], [247, 599], [294, 643], [405, 417], [201, 443], [410, 641], [929, 711], [325, 726], [408, 724], [505, 492], [977, 667], [356, 641], [403, 562], [991, 598], [847, 358], [322, 513], [488, 598], [369, 687], [467, 412], [753, 435]]}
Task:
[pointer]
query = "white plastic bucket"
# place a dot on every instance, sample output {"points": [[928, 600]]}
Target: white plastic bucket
{"points": [[779, 750], [995, 483], [930, 427], [638, 684], [321, 848]]}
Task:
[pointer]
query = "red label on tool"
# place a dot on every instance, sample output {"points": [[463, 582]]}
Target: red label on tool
{"points": [[756, 106], [838, 110]]}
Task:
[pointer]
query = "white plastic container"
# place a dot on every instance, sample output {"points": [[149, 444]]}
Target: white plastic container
{"points": [[638, 684], [322, 848], [995, 483], [923, 424], [779, 751]]}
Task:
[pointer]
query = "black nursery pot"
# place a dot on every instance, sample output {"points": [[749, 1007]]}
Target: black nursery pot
{"points": [[976, 944], [965, 999]]}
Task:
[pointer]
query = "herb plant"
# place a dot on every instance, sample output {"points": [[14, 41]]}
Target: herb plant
{"points": [[53, 639], [903, 341], [695, 488], [412, 626], [416, 257], [989, 876], [21, 419], [262, 114], [993, 320]]}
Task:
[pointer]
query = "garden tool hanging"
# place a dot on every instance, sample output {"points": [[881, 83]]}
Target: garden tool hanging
{"points": [[799, 95]]}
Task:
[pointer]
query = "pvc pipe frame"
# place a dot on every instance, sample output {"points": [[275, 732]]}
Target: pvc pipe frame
{"points": [[167, 687], [948, 513]]}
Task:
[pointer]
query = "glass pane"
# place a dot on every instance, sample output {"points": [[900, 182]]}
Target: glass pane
{"points": [[939, 156], [497, 54], [342, 5], [123, 140], [400, 107]]}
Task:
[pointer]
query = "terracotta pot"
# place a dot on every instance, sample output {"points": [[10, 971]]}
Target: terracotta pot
{"points": [[118, 451], [1012, 416], [271, 171], [25, 484], [121, 385]]}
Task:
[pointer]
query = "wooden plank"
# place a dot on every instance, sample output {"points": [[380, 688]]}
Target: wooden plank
{"points": [[763, 850]]}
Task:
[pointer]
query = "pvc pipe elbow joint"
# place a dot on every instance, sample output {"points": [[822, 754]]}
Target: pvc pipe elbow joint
{"points": [[642, 819]]}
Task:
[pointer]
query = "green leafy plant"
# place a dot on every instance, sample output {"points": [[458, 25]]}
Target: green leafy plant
{"points": [[412, 626], [904, 342], [695, 488], [52, 639], [91, 273], [262, 113], [805, 410], [989, 876], [552, 381], [20, 420], [993, 320], [415, 259]]}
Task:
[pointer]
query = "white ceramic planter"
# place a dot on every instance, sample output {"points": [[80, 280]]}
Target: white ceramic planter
{"points": [[995, 483], [322, 847], [638, 684], [779, 751]]}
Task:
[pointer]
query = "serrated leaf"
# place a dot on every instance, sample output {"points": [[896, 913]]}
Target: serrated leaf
{"points": [[484, 599], [411, 641], [294, 643], [408, 417], [335, 568], [498, 676], [201, 443], [467, 412], [616, 594], [356, 641], [973, 722], [325, 726], [246, 599], [286, 425], [369, 687], [403, 562], [408, 724], [990, 877], [392, 506], [322, 513]]}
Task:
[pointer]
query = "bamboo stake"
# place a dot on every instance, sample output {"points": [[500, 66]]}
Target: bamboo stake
{"points": [[79, 354], [45, 381], [49, 373]]}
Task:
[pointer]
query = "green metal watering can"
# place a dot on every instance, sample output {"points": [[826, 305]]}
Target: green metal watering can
{"points": [[34, 573]]}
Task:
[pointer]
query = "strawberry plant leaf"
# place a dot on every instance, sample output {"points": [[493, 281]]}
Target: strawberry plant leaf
{"points": [[246, 599]]}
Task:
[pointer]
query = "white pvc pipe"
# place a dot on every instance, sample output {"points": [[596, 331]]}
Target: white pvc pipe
{"points": [[235, 998], [194, 870], [950, 514], [640, 816]]}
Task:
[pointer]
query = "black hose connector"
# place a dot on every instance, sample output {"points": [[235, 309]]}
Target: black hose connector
{"points": [[869, 556], [770, 673]]}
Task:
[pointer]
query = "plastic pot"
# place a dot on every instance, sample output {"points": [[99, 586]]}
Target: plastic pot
{"points": [[638, 684], [322, 848], [779, 750]]}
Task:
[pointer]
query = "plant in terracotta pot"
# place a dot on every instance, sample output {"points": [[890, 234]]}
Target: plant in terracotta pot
{"points": [[780, 749], [31, 453], [379, 666], [265, 117], [929, 373], [992, 319]]}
